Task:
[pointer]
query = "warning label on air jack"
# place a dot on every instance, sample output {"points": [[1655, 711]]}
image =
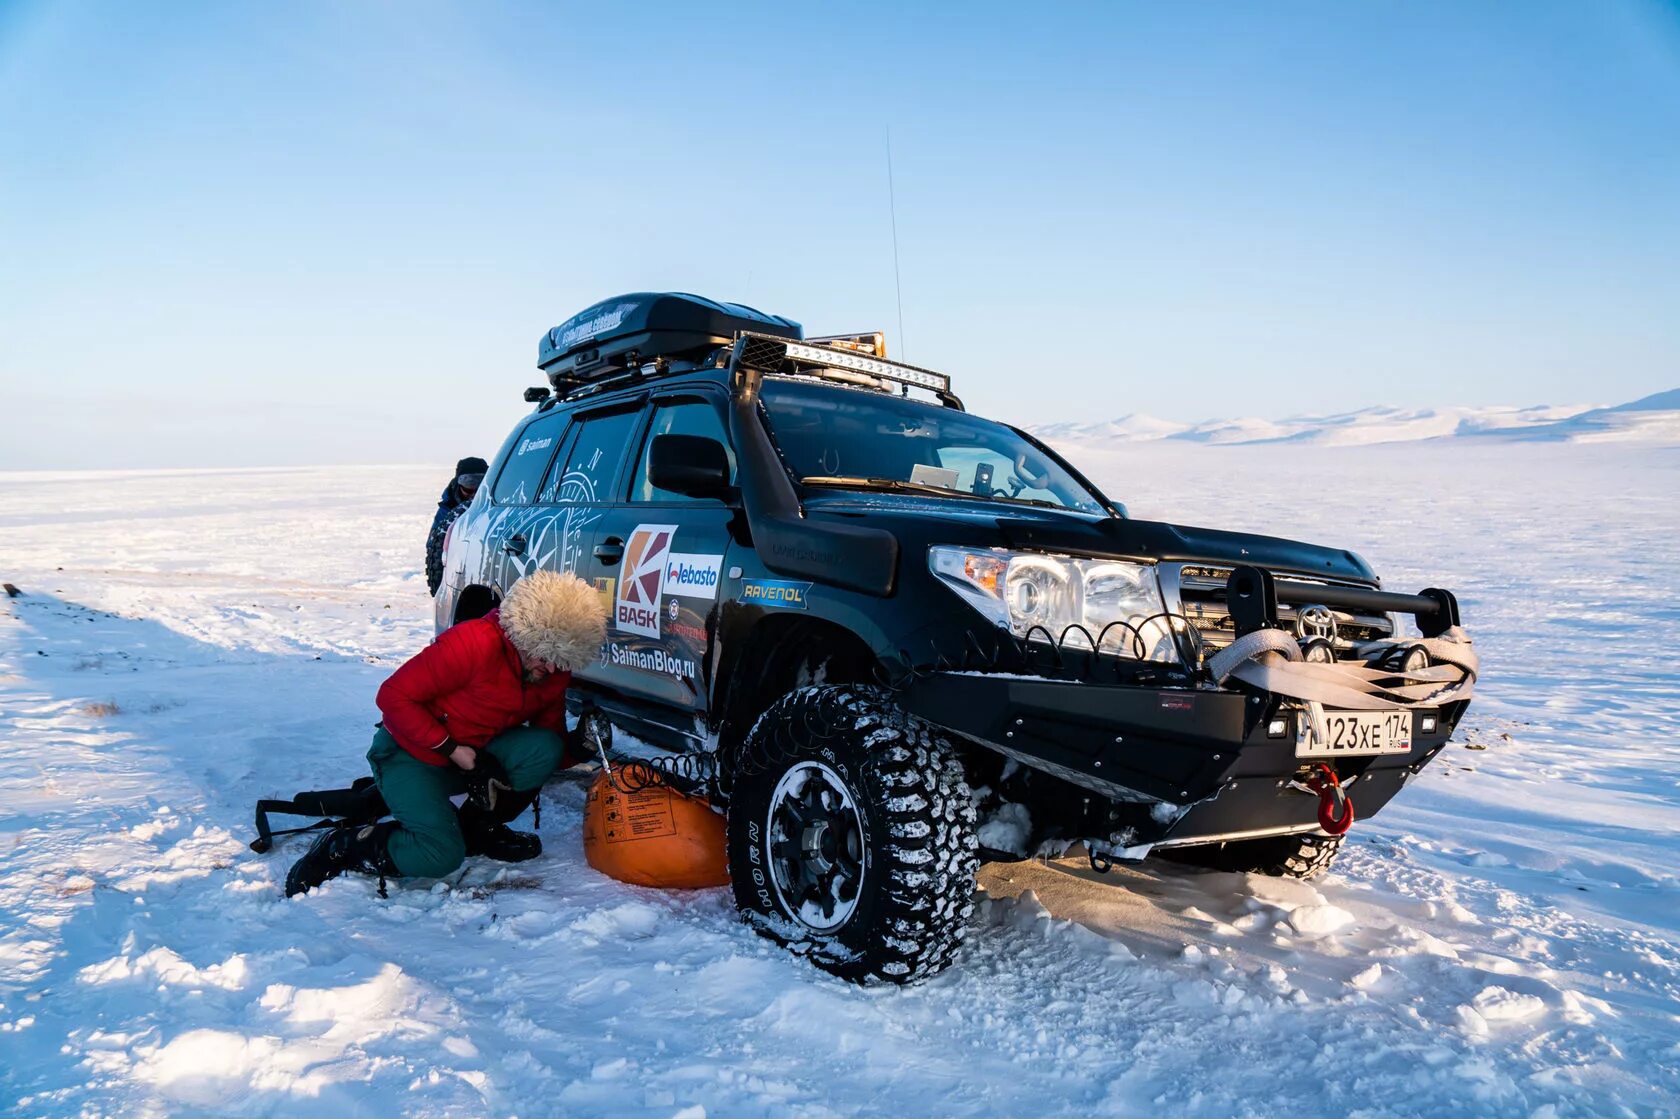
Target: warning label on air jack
{"points": [[640, 815]]}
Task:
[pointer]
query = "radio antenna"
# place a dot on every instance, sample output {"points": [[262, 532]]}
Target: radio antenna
{"points": [[898, 283]]}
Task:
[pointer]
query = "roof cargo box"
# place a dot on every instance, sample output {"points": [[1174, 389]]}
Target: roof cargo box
{"points": [[599, 341]]}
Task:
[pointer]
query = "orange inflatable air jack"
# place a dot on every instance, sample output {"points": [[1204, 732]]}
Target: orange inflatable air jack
{"points": [[654, 836]]}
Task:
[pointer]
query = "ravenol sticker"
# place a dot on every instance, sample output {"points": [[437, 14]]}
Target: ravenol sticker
{"points": [[637, 606], [785, 593], [692, 575]]}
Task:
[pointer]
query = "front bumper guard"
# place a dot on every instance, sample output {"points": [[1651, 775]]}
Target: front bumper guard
{"points": [[1209, 755]]}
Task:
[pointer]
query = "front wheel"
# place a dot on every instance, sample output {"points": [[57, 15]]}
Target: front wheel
{"points": [[851, 835]]}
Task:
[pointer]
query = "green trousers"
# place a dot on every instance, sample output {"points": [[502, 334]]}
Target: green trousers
{"points": [[427, 842]]}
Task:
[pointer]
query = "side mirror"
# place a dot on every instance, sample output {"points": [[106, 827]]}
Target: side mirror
{"points": [[692, 465]]}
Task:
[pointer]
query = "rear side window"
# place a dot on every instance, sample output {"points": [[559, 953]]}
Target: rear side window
{"points": [[592, 461], [527, 459]]}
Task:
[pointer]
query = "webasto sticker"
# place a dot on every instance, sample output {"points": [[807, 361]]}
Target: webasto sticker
{"points": [[693, 575], [636, 609], [651, 660], [785, 593]]}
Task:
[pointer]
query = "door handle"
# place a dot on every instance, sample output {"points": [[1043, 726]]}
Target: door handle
{"points": [[610, 550], [515, 545]]}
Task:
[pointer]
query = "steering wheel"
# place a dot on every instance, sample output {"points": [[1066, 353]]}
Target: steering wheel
{"points": [[1026, 474]]}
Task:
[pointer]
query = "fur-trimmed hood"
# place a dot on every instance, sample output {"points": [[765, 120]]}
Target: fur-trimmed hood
{"points": [[554, 618]]}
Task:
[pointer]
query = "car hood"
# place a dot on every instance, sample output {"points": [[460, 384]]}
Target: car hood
{"points": [[1030, 528]]}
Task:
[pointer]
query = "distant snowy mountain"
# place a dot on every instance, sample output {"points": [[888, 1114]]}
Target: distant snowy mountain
{"points": [[1653, 419]]}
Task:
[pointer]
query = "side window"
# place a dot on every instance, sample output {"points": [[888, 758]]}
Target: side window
{"points": [[592, 459], [684, 417], [526, 461]]}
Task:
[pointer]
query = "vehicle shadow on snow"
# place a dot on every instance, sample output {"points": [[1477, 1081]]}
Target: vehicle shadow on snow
{"points": [[235, 722], [128, 773], [1141, 904], [1166, 911]]}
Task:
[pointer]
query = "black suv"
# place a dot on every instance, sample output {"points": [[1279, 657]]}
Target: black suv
{"points": [[902, 639]]}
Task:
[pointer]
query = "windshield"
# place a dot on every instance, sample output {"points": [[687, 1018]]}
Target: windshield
{"points": [[830, 435]]}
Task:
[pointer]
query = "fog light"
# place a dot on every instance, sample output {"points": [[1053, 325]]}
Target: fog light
{"points": [[1426, 724], [1317, 650], [1415, 660], [1278, 727]]}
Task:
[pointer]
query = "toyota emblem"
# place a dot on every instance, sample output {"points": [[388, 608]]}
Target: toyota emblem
{"points": [[1315, 621]]}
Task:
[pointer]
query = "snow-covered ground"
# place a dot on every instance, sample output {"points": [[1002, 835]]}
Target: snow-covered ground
{"points": [[1503, 940]]}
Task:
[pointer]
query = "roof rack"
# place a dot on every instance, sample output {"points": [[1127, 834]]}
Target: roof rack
{"points": [[836, 361]]}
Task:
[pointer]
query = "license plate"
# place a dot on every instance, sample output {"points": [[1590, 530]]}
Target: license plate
{"points": [[1355, 732]]}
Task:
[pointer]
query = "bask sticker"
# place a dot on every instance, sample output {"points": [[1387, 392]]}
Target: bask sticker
{"points": [[640, 589]]}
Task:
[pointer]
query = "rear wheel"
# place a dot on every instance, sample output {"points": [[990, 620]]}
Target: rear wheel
{"points": [[1278, 856], [851, 835]]}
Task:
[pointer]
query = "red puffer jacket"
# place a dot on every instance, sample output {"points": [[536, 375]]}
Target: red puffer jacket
{"points": [[467, 687]]}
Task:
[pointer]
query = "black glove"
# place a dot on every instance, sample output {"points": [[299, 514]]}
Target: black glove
{"points": [[486, 780], [577, 739]]}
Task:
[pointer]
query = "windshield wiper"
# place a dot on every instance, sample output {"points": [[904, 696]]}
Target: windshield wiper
{"points": [[1035, 501], [891, 484]]}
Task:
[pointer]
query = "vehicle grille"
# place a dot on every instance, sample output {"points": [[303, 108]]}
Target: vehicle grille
{"points": [[1200, 591]]}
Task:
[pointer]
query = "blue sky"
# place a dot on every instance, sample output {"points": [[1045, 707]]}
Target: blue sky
{"points": [[248, 234]]}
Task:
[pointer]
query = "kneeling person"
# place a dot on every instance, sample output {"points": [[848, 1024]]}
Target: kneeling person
{"points": [[480, 711]]}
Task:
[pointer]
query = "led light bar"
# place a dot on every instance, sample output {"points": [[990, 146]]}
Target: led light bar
{"points": [[857, 363]]}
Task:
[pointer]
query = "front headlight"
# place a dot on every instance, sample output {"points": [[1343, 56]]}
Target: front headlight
{"points": [[1110, 604]]}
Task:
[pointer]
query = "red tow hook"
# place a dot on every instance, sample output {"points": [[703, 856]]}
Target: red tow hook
{"points": [[1335, 809]]}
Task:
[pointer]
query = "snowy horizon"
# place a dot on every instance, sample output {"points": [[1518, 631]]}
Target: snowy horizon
{"points": [[1651, 420]]}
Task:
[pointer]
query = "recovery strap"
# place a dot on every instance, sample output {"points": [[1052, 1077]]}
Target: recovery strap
{"points": [[1271, 660]]}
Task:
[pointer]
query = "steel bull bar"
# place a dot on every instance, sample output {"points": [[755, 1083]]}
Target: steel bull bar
{"points": [[1252, 595], [1217, 755]]}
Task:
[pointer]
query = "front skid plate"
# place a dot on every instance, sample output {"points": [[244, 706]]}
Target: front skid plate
{"points": [[1205, 749]]}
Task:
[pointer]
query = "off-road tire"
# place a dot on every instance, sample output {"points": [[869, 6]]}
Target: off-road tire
{"points": [[917, 823], [1279, 856]]}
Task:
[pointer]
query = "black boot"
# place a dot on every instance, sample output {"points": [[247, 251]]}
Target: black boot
{"points": [[487, 834], [359, 847]]}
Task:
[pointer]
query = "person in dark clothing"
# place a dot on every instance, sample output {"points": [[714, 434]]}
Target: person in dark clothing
{"points": [[457, 495]]}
